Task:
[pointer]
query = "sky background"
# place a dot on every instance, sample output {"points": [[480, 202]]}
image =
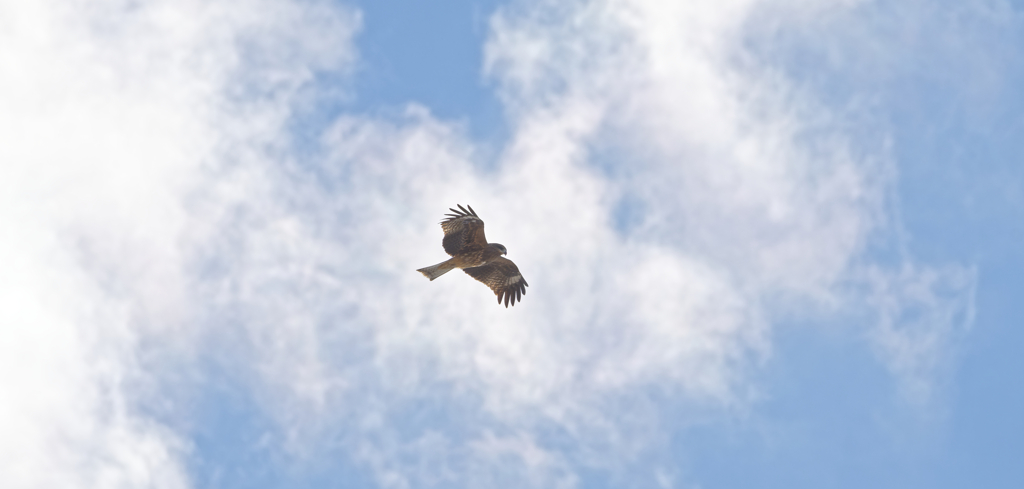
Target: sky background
{"points": [[770, 244]]}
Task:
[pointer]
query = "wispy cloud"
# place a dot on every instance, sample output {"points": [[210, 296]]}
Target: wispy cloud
{"points": [[748, 202], [668, 194], [922, 313], [115, 115]]}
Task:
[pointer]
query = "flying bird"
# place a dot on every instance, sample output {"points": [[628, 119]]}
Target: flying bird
{"points": [[464, 240]]}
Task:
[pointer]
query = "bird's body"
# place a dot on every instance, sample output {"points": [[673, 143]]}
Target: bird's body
{"points": [[464, 240]]}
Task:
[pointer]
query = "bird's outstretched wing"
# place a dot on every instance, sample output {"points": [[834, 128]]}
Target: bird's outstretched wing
{"points": [[503, 277], [463, 232]]}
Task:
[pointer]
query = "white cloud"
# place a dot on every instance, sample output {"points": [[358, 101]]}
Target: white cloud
{"points": [[922, 313], [115, 114], [749, 203], [667, 195]]}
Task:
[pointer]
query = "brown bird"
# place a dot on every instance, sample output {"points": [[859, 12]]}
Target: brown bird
{"points": [[464, 240]]}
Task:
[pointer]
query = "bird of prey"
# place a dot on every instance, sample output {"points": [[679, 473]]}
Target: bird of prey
{"points": [[464, 240]]}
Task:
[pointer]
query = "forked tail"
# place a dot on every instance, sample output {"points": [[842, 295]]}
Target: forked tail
{"points": [[435, 271]]}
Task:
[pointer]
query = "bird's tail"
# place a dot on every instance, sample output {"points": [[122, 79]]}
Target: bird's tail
{"points": [[435, 271]]}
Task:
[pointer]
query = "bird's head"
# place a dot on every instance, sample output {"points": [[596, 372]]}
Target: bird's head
{"points": [[500, 247]]}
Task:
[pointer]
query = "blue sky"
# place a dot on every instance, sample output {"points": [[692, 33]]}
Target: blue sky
{"points": [[769, 244]]}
